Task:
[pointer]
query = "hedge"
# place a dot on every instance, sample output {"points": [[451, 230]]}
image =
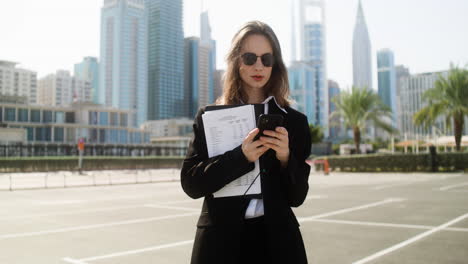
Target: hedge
{"points": [[42, 164], [397, 162]]}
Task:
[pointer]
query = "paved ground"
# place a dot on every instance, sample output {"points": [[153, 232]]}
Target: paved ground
{"points": [[347, 218]]}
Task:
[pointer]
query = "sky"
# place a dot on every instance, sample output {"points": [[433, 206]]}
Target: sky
{"points": [[425, 35]]}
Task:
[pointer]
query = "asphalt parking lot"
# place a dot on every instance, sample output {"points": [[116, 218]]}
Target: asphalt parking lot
{"points": [[347, 218]]}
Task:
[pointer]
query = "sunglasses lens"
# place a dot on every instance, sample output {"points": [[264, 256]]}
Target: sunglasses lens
{"points": [[267, 60], [249, 58]]}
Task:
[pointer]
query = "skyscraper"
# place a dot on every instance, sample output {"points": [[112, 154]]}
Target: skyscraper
{"points": [[311, 32], [362, 62], [123, 67], [387, 81], [89, 69], [333, 91], [165, 59]]}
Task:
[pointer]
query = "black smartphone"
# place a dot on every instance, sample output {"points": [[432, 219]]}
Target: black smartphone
{"points": [[268, 122]]}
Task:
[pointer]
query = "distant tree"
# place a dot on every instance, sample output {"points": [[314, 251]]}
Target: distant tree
{"points": [[448, 98], [357, 108], [316, 133]]}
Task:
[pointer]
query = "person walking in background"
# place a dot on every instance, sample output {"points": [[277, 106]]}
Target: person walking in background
{"points": [[262, 228]]}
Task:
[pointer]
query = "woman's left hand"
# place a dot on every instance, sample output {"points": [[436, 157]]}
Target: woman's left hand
{"points": [[278, 141]]}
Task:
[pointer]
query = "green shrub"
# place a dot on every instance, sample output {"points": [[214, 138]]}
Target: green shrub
{"points": [[397, 162]]}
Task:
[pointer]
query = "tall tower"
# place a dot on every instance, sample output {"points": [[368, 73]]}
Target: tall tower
{"points": [[387, 81], [165, 59], [312, 31], [210, 44], [362, 62], [123, 67]]}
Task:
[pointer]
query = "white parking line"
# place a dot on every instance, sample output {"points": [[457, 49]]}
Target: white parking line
{"points": [[362, 223], [395, 185], [173, 207], [453, 186], [86, 227], [126, 253], [347, 210], [409, 241]]}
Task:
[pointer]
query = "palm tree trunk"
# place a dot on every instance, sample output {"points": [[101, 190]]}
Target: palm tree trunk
{"points": [[458, 127], [357, 139]]}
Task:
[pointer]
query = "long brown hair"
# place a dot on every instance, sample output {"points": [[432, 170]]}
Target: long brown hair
{"points": [[277, 85]]}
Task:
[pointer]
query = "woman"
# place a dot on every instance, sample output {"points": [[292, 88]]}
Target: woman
{"points": [[262, 229]]}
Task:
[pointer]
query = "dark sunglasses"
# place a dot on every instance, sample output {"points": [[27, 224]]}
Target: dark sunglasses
{"points": [[250, 58]]}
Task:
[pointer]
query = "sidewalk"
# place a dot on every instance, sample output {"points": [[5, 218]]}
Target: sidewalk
{"points": [[64, 179]]}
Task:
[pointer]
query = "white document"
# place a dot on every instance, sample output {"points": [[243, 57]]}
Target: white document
{"points": [[225, 129]]}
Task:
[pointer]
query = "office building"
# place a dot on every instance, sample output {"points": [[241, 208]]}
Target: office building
{"points": [[123, 64], [411, 101], [387, 81], [199, 69], [88, 69], [16, 82], [62, 89], [310, 69], [165, 59]]}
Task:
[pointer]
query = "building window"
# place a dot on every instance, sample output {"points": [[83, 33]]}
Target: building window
{"points": [[102, 136], [93, 135], [123, 120], [30, 132], [10, 114], [114, 136], [114, 119], [47, 133], [103, 118], [23, 115], [59, 117], [47, 116], [40, 134], [58, 134], [70, 117], [35, 116], [123, 137], [92, 118]]}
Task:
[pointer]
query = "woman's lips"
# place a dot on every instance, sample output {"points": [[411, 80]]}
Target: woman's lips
{"points": [[257, 77]]}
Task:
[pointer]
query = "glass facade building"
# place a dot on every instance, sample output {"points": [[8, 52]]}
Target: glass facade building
{"points": [[387, 81], [123, 67], [88, 69], [97, 125], [308, 76], [165, 59]]}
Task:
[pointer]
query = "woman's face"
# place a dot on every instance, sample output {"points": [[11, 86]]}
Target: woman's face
{"points": [[257, 75]]}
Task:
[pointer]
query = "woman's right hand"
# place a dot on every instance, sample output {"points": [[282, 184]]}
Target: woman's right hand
{"points": [[253, 149]]}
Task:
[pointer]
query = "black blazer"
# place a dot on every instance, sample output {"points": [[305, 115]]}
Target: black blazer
{"points": [[220, 223]]}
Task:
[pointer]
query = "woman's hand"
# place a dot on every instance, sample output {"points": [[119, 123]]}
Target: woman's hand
{"points": [[253, 149], [278, 141]]}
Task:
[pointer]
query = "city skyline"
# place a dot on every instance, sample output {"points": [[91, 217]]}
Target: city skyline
{"points": [[424, 35]]}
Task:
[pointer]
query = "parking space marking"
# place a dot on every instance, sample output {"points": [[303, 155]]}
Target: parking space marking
{"points": [[347, 210], [410, 241], [74, 212], [173, 207], [445, 188], [87, 227], [395, 185], [126, 253], [363, 223]]}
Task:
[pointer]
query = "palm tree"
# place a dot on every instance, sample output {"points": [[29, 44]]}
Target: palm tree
{"points": [[448, 98], [357, 108]]}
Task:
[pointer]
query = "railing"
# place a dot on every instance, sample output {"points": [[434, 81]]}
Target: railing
{"points": [[66, 179]]}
